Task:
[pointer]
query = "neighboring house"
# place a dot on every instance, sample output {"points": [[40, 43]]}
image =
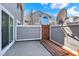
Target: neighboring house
{"points": [[74, 19], [38, 18], [11, 14]]}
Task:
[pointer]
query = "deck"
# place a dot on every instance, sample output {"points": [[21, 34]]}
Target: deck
{"points": [[37, 48], [27, 48]]}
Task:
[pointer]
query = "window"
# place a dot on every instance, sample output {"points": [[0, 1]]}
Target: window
{"points": [[44, 21]]}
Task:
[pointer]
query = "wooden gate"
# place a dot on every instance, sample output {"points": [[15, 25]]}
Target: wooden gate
{"points": [[45, 32]]}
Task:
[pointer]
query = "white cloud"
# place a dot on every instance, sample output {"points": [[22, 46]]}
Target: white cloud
{"points": [[72, 11], [58, 5]]}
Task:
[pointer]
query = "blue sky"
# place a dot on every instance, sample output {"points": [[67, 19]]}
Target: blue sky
{"points": [[53, 8]]}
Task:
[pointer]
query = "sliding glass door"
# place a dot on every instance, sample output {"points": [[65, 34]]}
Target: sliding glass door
{"points": [[5, 29]]}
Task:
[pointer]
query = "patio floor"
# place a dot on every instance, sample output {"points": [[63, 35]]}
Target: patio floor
{"points": [[27, 48]]}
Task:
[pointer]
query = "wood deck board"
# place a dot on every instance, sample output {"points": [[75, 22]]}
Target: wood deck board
{"points": [[54, 49]]}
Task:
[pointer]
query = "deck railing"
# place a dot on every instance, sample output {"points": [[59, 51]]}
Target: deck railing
{"points": [[57, 34], [29, 32], [67, 36]]}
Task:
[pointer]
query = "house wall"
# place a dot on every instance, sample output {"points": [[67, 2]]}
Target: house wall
{"points": [[17, 13], [2, 51], [12, 8], [36, 17]]}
